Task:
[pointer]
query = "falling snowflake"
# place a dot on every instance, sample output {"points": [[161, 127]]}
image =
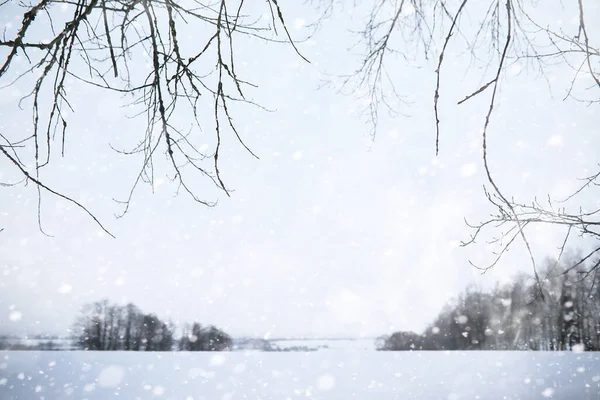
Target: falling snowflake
{"points": [[239, 368], [555, 141], [158, 391], [111, 376], [15, 315], [522, 145], [468, 170], [578, 348], [217, 359], [65, 288], [326, 382], [548, 392]]}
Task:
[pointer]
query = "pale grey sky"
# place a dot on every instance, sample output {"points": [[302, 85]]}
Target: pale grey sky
{"points": [[328, 234]]}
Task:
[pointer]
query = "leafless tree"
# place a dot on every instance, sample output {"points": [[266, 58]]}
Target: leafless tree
{"points": [[508, 318], [95, 42], [101, 37], [497, 33]]}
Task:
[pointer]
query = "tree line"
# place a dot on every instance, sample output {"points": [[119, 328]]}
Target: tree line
{"points": [[563, 313], [104, 326]]}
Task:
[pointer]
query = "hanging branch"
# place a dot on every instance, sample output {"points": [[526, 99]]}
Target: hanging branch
{"points": [[96, 45]]}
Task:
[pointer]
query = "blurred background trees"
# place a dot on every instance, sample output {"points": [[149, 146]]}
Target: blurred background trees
{"points": [[198, 338], [508, 317], [105, 326]]}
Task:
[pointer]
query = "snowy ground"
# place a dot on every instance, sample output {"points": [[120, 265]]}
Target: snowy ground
{"points": [[296, 375], [326, 344]]}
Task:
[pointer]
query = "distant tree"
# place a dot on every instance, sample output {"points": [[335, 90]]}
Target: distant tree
{"points": [[184, 342], [380, 342], [132, 327], [403, 340], [105, 326], [472, 318], [149, 332], [509, 317], [216, 340], [166, 337], [156, 335], [90, 325], [198, 338]]}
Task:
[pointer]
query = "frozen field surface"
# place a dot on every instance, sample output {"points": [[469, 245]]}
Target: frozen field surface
{"points": [[336, 375], [329, 344]]}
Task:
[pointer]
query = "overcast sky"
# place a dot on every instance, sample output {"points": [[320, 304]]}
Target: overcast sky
{"points": [[328, 234]]}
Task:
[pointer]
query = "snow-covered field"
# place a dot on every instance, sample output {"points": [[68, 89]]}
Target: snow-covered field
{"points": [[336, 375], [326, 344]]}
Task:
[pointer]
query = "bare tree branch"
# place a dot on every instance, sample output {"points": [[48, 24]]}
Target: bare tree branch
{"points": [[99, 39], [58, 194], [436, 96]]}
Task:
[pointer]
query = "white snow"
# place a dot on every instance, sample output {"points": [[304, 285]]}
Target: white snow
{"points": [[548, 392], [325, 344], [158, 391], [326, 382], [515, 69], [468, 170], [317, 374], [65, 288], [578, 348], [111, 376], [218, 359], [15, 315], [555, 141]]}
